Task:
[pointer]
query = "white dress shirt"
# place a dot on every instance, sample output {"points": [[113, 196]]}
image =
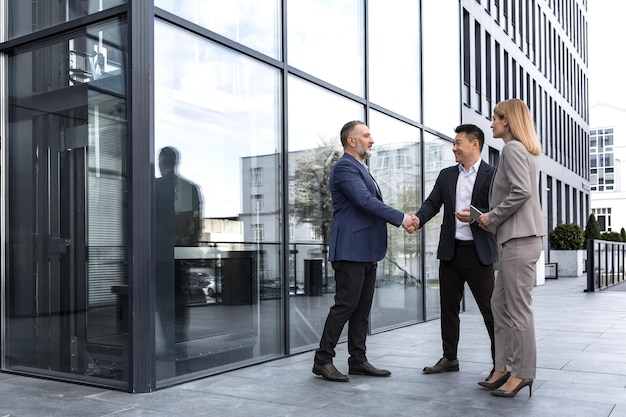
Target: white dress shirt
{"points": [[464, 189]]}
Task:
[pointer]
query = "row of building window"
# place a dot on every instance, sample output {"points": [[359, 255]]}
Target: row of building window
{"points": [[497, 76], [524, 21], [601, 160], [571, 202]]}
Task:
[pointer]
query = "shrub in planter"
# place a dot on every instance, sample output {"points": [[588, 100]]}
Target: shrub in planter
{"points": [[567, 242], [567, 236], [592, 231], [612, 236]]}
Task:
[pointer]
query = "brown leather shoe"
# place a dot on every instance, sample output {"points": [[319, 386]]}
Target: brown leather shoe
{"points": [[367, 368], [329, 372], [444, 365]]}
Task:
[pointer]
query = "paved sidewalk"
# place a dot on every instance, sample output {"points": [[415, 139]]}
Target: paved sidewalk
{"points": [[581, 339]]}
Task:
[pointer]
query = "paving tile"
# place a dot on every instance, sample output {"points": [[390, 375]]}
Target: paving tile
{"points": [[581, 373]]}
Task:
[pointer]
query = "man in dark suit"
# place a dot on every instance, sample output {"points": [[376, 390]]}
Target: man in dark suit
{"points": [[466, 252], [358, 241]]}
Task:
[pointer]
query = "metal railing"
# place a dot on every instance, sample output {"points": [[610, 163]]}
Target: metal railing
{"points": [[605, 264]]}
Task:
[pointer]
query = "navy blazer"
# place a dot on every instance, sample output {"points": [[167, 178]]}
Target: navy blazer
{"points": [[444, 193], [359, 231]]}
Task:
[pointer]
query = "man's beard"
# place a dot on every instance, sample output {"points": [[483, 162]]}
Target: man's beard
{"points": [[363, 152]]}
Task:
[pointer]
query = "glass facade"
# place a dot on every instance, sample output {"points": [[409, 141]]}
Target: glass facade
{"points": [[66, 267], [326, 39], [247, 113], [217, 199], [26, 17], [165, 165]]}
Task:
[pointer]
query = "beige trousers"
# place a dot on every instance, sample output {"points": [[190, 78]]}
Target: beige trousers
{"points": [[511, 303]]}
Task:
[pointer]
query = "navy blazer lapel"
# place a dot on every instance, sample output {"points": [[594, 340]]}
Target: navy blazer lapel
{"points": [[378, 193], [372, 185]]}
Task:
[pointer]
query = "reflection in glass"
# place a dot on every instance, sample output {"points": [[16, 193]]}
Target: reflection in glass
{"points": [[313, 149], [33, 15], [67, 276], [255, 24], [220, 111], [437, 155], [328, 31], [177, 223], [394, 74], [441, 106], [395, 165]]}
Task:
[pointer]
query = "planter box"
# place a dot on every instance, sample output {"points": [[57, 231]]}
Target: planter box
{"points": [[540, 270], [571, 262]]}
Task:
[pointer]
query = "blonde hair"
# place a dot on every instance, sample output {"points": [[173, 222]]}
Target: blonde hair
{"points": [[520, 123]]}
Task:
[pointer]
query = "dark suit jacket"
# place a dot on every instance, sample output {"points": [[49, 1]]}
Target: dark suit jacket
{"points": [[444, 193], [359, 231]]}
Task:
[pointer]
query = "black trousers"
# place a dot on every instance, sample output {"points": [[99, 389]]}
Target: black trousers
{"points": [[465, 267], [355, 282]]}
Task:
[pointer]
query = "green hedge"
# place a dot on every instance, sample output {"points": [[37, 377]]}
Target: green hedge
{"points": [[567, 237]]}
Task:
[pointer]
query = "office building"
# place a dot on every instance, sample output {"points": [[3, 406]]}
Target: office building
{"points": [[607, 155], [164, 165]]}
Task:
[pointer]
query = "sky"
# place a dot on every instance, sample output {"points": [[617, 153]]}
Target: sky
{"points": [[607, 37]]}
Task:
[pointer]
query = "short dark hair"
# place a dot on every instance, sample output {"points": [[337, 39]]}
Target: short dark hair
{"points": [[473, 132], [168, 157], [347, 129]]}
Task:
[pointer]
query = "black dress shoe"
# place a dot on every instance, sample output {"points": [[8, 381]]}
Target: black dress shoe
{"points": [[444, 365], [329, 372], [495, 384], [367, 368]]}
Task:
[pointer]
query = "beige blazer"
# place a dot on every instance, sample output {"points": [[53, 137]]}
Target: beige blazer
{"points": [[514, 195]]}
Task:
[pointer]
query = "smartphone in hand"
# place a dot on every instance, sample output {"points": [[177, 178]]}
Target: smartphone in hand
{"points": [[475, 213]]}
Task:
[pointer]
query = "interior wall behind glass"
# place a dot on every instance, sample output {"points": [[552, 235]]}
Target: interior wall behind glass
{"points": [[394, 56], [395, 165], [217, 198], [30, 16], [441, 65], [255, 24], [316, 117]]}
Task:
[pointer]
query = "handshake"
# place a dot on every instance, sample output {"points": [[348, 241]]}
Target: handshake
{"points": [[411, 223]]}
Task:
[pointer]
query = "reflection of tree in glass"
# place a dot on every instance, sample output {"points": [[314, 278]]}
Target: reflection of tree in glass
{"points": [[311, 200], [402, 247]]}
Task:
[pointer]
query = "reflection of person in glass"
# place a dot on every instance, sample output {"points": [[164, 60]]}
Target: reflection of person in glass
{"points": [[178, 223]]}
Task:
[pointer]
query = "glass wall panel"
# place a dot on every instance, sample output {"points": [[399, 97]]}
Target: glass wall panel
{"points": [[30, 16], [394, 74], [66, 301], [217, 198], [395, 164], [326, 40], [441, 71], [315, 120], [437, 155], [255, 24]]}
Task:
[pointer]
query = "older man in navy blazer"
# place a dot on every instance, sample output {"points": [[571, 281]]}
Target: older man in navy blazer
{"points": [[466, 252], [358, 241]]}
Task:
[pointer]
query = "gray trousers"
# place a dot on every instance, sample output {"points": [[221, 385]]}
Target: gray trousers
{"points": [[511, 303]]}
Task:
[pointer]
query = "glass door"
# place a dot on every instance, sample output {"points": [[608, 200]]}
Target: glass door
{"points": [[66, 304]]}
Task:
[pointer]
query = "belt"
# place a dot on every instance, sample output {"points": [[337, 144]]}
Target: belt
{"points": [[463, 242]]}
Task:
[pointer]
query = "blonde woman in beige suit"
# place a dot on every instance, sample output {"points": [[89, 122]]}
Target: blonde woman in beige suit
{"points": [[516, 219]]}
